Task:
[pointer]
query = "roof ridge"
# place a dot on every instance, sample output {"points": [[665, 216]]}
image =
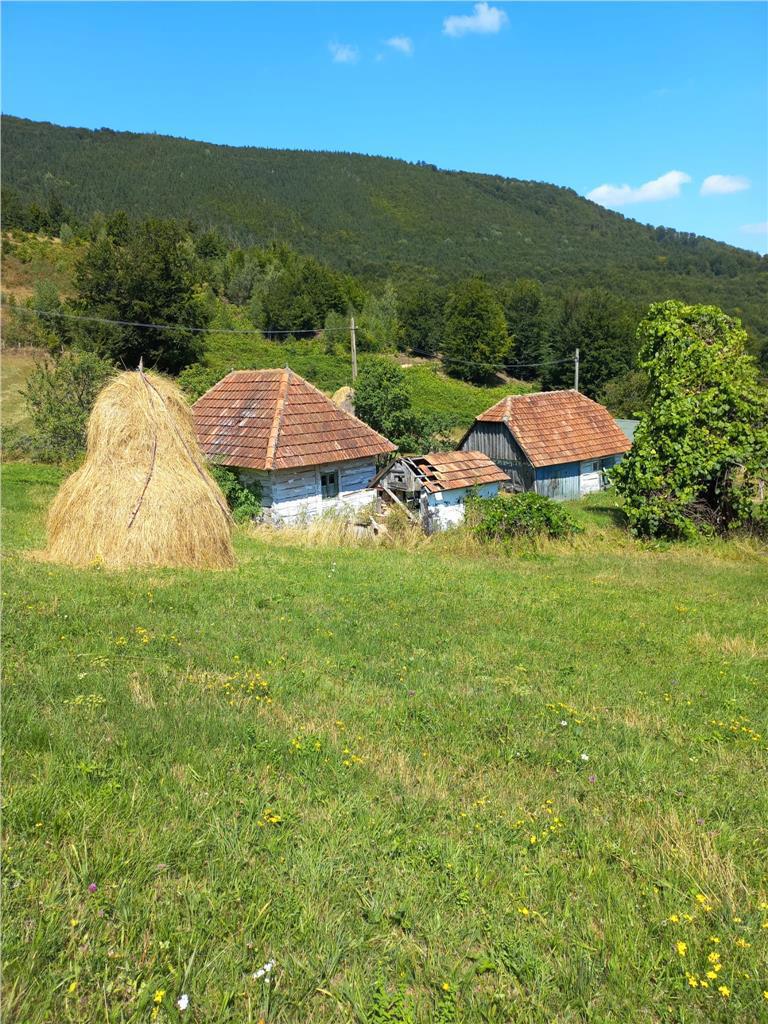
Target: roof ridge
{"points": [[343, 412], [277, 422]]}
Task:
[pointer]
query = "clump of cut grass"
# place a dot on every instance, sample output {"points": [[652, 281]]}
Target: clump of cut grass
{"points": [[143, 496]]}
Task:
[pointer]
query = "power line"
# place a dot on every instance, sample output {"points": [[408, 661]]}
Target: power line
{"points": [[169, 327], [314, 331]]}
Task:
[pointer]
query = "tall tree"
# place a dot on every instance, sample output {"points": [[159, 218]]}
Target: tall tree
{"points": [[602, 326], [698, 454], [476, 342], [420, 314], [523, 303], [147, 277]]}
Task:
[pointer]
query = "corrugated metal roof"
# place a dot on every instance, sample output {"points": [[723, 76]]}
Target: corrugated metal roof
{"points": [[447, 471], [274, 419], [555, 427]]}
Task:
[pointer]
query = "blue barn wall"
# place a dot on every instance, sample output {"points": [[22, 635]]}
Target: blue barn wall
{"points": [[559, 481]]}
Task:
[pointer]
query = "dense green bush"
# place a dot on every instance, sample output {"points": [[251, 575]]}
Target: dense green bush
{"points": [[196, 379], [519, 515], [244, 502], [59, 395]]}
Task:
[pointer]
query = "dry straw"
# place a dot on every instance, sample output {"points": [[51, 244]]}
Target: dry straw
{"points": [[142, 496]]}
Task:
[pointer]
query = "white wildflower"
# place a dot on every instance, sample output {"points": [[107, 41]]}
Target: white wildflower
{"points": [[183, 1001], [585, 757], [563, 723], [264, 972]]}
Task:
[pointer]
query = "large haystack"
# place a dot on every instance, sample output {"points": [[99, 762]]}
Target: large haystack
{"points": [[143, 496]]}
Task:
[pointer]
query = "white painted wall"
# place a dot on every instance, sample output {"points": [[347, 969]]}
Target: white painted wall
{"points": [[295, 495], [444, 509], [591, 478]]}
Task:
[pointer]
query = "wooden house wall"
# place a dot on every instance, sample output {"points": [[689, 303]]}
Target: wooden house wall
{"points": [[495, 441], [294, 495], [561, 482], [442, 509]]}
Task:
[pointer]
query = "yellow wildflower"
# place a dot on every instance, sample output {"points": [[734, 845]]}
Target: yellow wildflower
{"points": [[713, 957], [712, 975], [72, 986], [724, 991], [159, 995], [445, 987], [674, 918], [681, 947]]}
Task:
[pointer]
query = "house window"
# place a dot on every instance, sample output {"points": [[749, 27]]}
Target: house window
{"points": [[329, 484]]}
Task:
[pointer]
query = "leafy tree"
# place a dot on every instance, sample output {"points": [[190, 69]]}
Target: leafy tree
{"points": [[59, 395], [383, 401], [196, 379], [602, 326], [475, 340], [377, 323], [300, 298], [381, 393], [698, 454], [627, 395], [149, 276], [523, 303], [420, 318]]}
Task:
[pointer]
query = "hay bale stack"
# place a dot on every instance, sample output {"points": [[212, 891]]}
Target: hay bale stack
{"points": [[143, 496]]}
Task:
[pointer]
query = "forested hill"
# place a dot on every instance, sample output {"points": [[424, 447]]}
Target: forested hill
{"points": [[374, 216]]}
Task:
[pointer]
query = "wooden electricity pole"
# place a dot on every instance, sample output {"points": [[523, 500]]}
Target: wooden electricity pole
{"points": [[353, 347], [576, 371]]}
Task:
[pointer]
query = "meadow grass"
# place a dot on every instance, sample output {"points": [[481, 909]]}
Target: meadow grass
{"points": [[15, 367], [431, 786]]}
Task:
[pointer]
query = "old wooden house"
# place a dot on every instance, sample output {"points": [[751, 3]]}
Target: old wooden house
{"points": [[435, 487], [276, 429], [557, 443]]}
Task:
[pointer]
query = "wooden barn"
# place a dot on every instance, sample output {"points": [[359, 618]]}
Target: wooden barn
{"points": [[276, 429], [557, 443], [435, 487]]}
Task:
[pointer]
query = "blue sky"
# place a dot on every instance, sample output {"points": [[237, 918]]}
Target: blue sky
{"points": [[646, 106]]}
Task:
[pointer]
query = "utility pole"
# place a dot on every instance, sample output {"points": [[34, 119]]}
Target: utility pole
{"points": [[353, 347], [576, 371]]}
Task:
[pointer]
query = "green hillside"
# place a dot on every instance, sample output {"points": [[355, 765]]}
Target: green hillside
{"points": [[377, 216]]}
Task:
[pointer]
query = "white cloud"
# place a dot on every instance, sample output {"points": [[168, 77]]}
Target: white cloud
{"points": [[666, 187], [343, 53], [760, 228], [723, 184], [486, 19], [403, 44]]}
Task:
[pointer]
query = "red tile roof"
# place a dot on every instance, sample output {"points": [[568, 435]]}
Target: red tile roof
{"points": [[274, 419], [446, 471], [555, 427]]}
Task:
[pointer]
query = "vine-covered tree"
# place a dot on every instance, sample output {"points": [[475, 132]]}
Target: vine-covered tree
{"points": [[476, 342], [699, 453]]}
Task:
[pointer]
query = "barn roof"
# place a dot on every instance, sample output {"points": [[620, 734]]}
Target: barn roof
{"points": [[274, 419], [447, 471], [554, 427]]}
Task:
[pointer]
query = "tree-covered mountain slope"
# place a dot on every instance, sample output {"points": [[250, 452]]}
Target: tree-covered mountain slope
{"points": [[377, 217]]}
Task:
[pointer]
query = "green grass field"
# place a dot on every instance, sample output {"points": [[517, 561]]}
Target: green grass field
{"points": [[15, 367], [482, 788]]}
